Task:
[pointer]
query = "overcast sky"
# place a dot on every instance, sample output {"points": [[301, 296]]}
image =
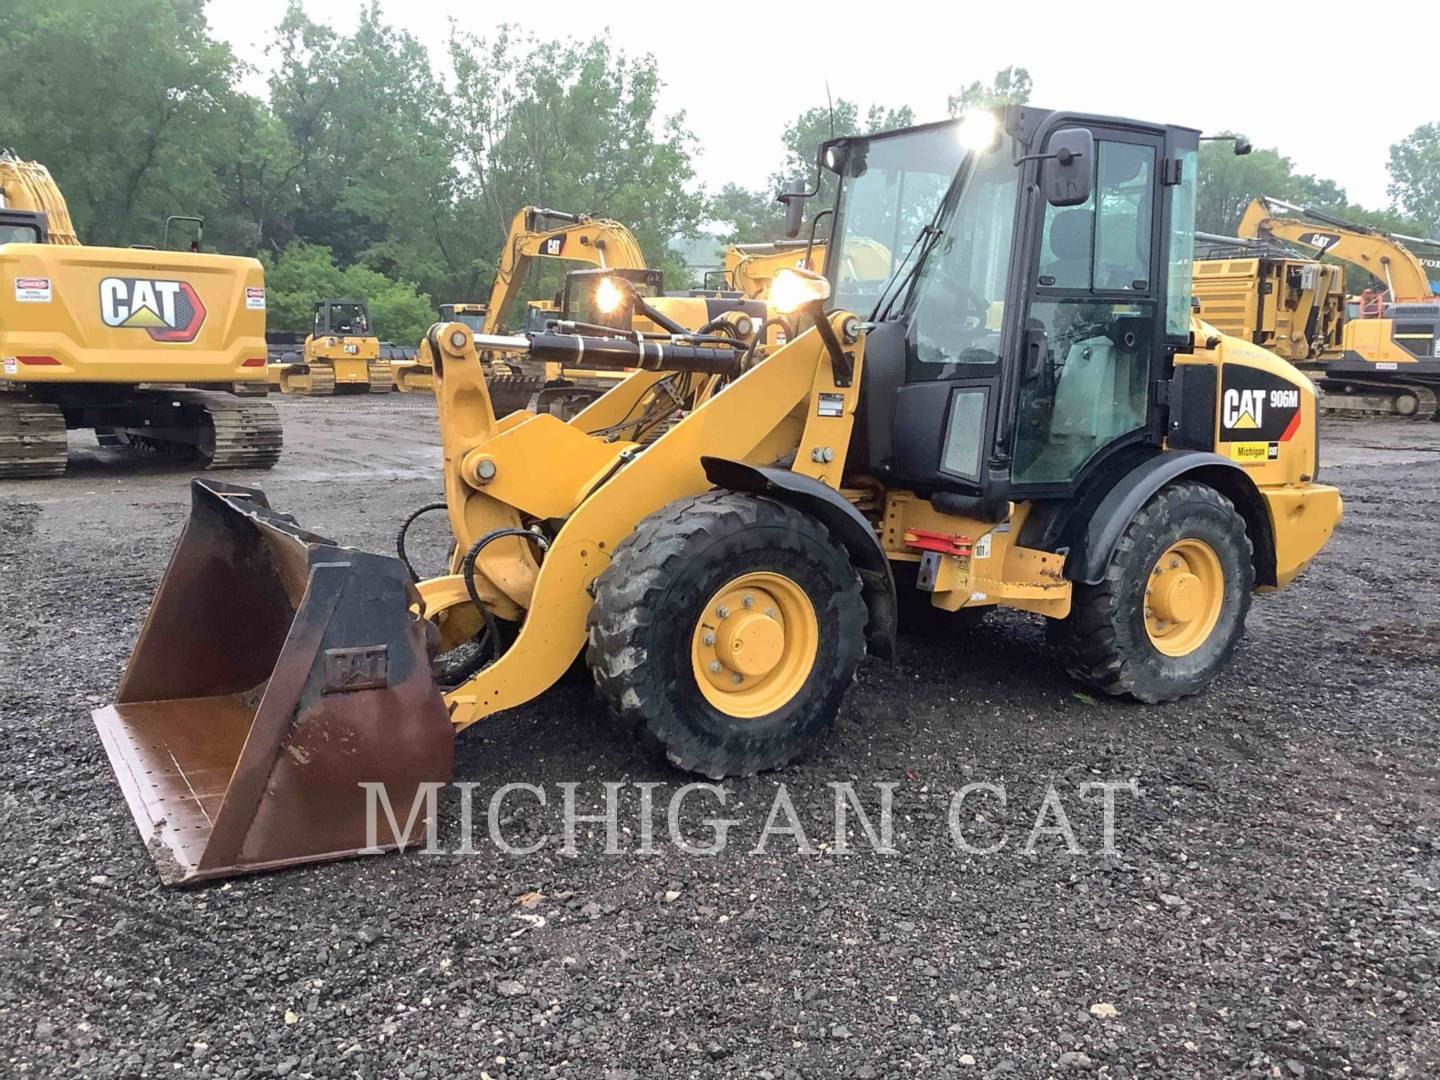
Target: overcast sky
{"points": [[740, 72]]}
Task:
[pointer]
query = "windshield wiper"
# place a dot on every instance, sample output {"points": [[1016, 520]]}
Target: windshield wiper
{"points": [[926, 239]]}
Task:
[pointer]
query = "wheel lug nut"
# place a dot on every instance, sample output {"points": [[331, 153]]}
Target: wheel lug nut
{"points": [[722, 611], [1174, 564], [715, 667], [772, 613], [749, 601], [737, 678], [709, 639]]}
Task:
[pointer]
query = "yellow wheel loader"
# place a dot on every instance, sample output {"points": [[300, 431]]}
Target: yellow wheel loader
{"points": [[1096, 457], [144, 346], [340, 355], [1388, 360]]}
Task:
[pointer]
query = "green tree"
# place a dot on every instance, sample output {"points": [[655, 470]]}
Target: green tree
{"points": [[128, 103], [371, 156], [303, 274], [1010, 86], [747, 216], [1415, 176], [570, 125]]}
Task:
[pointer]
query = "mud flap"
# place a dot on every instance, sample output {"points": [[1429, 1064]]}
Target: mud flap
{"points": [[275, 675]]}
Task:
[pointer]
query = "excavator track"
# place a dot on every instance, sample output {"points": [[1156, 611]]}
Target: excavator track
{"points": [[382, 378], [247, 434], [1362, 398], [226, 433], [32, 437]]}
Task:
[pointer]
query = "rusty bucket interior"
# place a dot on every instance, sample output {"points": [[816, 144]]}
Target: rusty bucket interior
{"points": [[276, 674]]}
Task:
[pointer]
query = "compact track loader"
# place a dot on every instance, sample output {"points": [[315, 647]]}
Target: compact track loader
{"points": [[1019, 411]]}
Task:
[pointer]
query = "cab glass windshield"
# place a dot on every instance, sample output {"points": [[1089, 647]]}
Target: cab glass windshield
{"points": [[893, 185]]}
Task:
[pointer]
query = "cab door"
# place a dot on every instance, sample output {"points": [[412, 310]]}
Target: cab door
{"points": [[1093, 325]]}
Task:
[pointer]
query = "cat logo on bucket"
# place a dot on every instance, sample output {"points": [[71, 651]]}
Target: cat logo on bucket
{"points": [[166, 310]]}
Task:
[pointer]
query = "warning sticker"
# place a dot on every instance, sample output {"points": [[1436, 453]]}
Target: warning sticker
{"points": [[255, 299], [32, 290], [12, 366], [982, 547]]}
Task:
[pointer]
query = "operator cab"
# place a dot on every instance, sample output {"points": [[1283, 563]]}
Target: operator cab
{"points": [[342, 318], [23, 227], [1026, 278]]}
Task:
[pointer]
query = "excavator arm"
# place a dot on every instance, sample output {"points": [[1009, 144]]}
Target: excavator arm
{"points": [[1375, 252], [534, 233]]}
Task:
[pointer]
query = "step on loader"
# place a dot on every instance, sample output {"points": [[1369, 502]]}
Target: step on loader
{"points": [[1019, 411]]}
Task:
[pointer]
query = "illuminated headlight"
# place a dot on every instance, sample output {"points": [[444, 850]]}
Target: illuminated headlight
{"points": [[793, 288], [609, 296], [978, 131]]}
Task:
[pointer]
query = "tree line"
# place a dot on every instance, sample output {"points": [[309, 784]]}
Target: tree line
{"points": [[370, 165]]}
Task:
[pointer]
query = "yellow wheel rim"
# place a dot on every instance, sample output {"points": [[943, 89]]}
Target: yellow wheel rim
{"points": [[1184, 595], [754, 645]]}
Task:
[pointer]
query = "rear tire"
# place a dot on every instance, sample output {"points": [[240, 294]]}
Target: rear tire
{"points": [[648, 626], [1109, 642]]}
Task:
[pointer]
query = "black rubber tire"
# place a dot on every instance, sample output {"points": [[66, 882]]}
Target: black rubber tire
{"points": [[918, 617], [1103, 643], [646, 605]]}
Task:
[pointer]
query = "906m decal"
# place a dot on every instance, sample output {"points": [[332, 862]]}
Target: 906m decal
{"points": [[1256, 409]]}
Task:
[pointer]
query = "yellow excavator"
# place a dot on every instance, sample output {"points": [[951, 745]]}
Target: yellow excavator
{"points": [[535, 233], [724, 536], [1389, 355], [142, 345], [341, 354]]}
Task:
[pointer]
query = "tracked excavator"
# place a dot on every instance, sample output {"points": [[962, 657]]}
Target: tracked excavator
{"points": [[535, 233], [143, 346], [341, 354], [1388, 359], [1094, 455]]}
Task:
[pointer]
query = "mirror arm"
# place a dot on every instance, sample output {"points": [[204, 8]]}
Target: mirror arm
{"points": [[1064, 157], [814, 222]]}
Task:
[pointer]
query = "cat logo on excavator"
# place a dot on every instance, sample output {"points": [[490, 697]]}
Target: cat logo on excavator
{"points": [[166, 310]]}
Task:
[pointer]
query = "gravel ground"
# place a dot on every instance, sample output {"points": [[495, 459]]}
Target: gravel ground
{"points": [[1269, 908]]}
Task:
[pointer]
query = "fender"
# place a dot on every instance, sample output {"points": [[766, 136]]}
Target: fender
{"points": [[838, 515], [1093, 541]]}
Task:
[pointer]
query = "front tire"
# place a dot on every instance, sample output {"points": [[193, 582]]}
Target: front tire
{"points": [[725, 631], [1171, 608]]}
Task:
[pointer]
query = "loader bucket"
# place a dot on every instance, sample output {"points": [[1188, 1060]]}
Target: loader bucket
{"points": [[275, 674]]}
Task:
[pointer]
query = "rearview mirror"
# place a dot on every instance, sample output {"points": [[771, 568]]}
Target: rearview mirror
{"points": [[794, 200], [1068, 172]]}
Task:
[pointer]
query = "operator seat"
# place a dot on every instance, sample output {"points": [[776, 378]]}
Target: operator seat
{"points": [[1069, 239]]}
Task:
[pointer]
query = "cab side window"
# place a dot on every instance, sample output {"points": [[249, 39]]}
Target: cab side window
{"points": [[1104, 245]]}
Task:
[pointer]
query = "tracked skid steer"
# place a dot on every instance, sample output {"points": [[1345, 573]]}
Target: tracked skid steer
{"points": [[1018, 412]]}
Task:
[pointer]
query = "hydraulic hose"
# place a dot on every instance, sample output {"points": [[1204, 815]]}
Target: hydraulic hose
{"points": [[467, 573], [405, 528]]}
